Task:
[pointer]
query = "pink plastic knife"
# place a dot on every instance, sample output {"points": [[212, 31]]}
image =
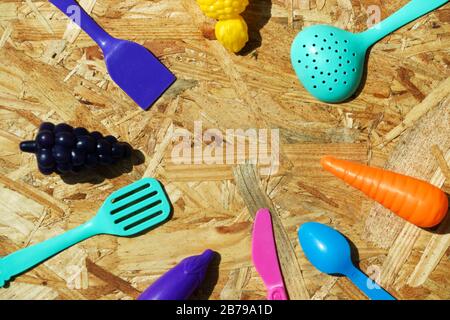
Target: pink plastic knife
{"points": [[264, 254]]}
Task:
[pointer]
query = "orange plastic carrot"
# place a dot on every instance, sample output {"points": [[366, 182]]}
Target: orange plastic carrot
{"points": [[412, 199]]}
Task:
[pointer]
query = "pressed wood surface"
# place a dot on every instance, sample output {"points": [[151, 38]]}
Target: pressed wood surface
{"points": [[49, 70]]}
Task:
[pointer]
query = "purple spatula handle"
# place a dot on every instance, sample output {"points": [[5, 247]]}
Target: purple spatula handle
{"points": [[77, 14]]}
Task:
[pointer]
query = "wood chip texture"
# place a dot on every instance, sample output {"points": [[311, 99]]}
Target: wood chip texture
{"points": [[400, 120]]}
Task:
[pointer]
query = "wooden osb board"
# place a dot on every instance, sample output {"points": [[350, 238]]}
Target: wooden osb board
{"points": [[49, 70]]}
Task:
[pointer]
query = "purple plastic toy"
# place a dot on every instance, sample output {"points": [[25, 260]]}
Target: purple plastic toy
{"points": [[135, 69], [180, 282]]}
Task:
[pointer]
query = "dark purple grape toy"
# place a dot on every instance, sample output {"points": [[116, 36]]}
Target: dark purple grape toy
{"points": [[65, 139], [103, 147], [61, 148], [28, 146], [91, 160], [86, 143], [45, 139], [111, 139], [61, 153], [45, 158], [63, 127], [117, 150], [80, 132], [46, 126], [104, 159], [78, 157], [64, 167]]}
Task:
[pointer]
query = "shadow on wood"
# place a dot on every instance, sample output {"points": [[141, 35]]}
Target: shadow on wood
{"points": [[256, 15], [443, 228]]}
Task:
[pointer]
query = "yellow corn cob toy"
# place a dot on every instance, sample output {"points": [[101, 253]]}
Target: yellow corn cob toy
{"points": [[231, 29]]}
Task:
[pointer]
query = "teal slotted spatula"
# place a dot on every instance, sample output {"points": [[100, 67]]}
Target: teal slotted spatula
{"points": [[329, 61], [126, 212]]}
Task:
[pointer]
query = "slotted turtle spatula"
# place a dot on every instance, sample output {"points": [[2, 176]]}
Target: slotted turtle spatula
{"points": [[126, 212], [135, 69]]}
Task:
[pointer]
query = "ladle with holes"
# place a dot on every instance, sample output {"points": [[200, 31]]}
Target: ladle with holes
{"points": [[330, 61]]}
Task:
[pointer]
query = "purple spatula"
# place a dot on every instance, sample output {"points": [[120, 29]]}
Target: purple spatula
{"points": [[134, 68]]}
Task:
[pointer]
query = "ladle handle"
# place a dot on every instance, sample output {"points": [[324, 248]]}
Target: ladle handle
{"points": [[410, 12], [368, 286]]}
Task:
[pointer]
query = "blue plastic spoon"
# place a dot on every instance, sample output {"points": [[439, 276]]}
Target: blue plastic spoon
{"points": [[329, 251], [132, 67]]}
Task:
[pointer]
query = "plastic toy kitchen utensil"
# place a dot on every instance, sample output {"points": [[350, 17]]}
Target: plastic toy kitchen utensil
{"points": [[329, 251], [63, 149], [181, 281], [126, 212], [265, 258], [134, 68], [231, 30], [414, 200], [330, 61]]}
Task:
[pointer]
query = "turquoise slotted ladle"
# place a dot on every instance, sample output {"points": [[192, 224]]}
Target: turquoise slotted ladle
{"points": [[329, 61], [126, 212]]}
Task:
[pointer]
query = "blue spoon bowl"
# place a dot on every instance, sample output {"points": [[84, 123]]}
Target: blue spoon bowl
{"points": [[329, 251]]}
